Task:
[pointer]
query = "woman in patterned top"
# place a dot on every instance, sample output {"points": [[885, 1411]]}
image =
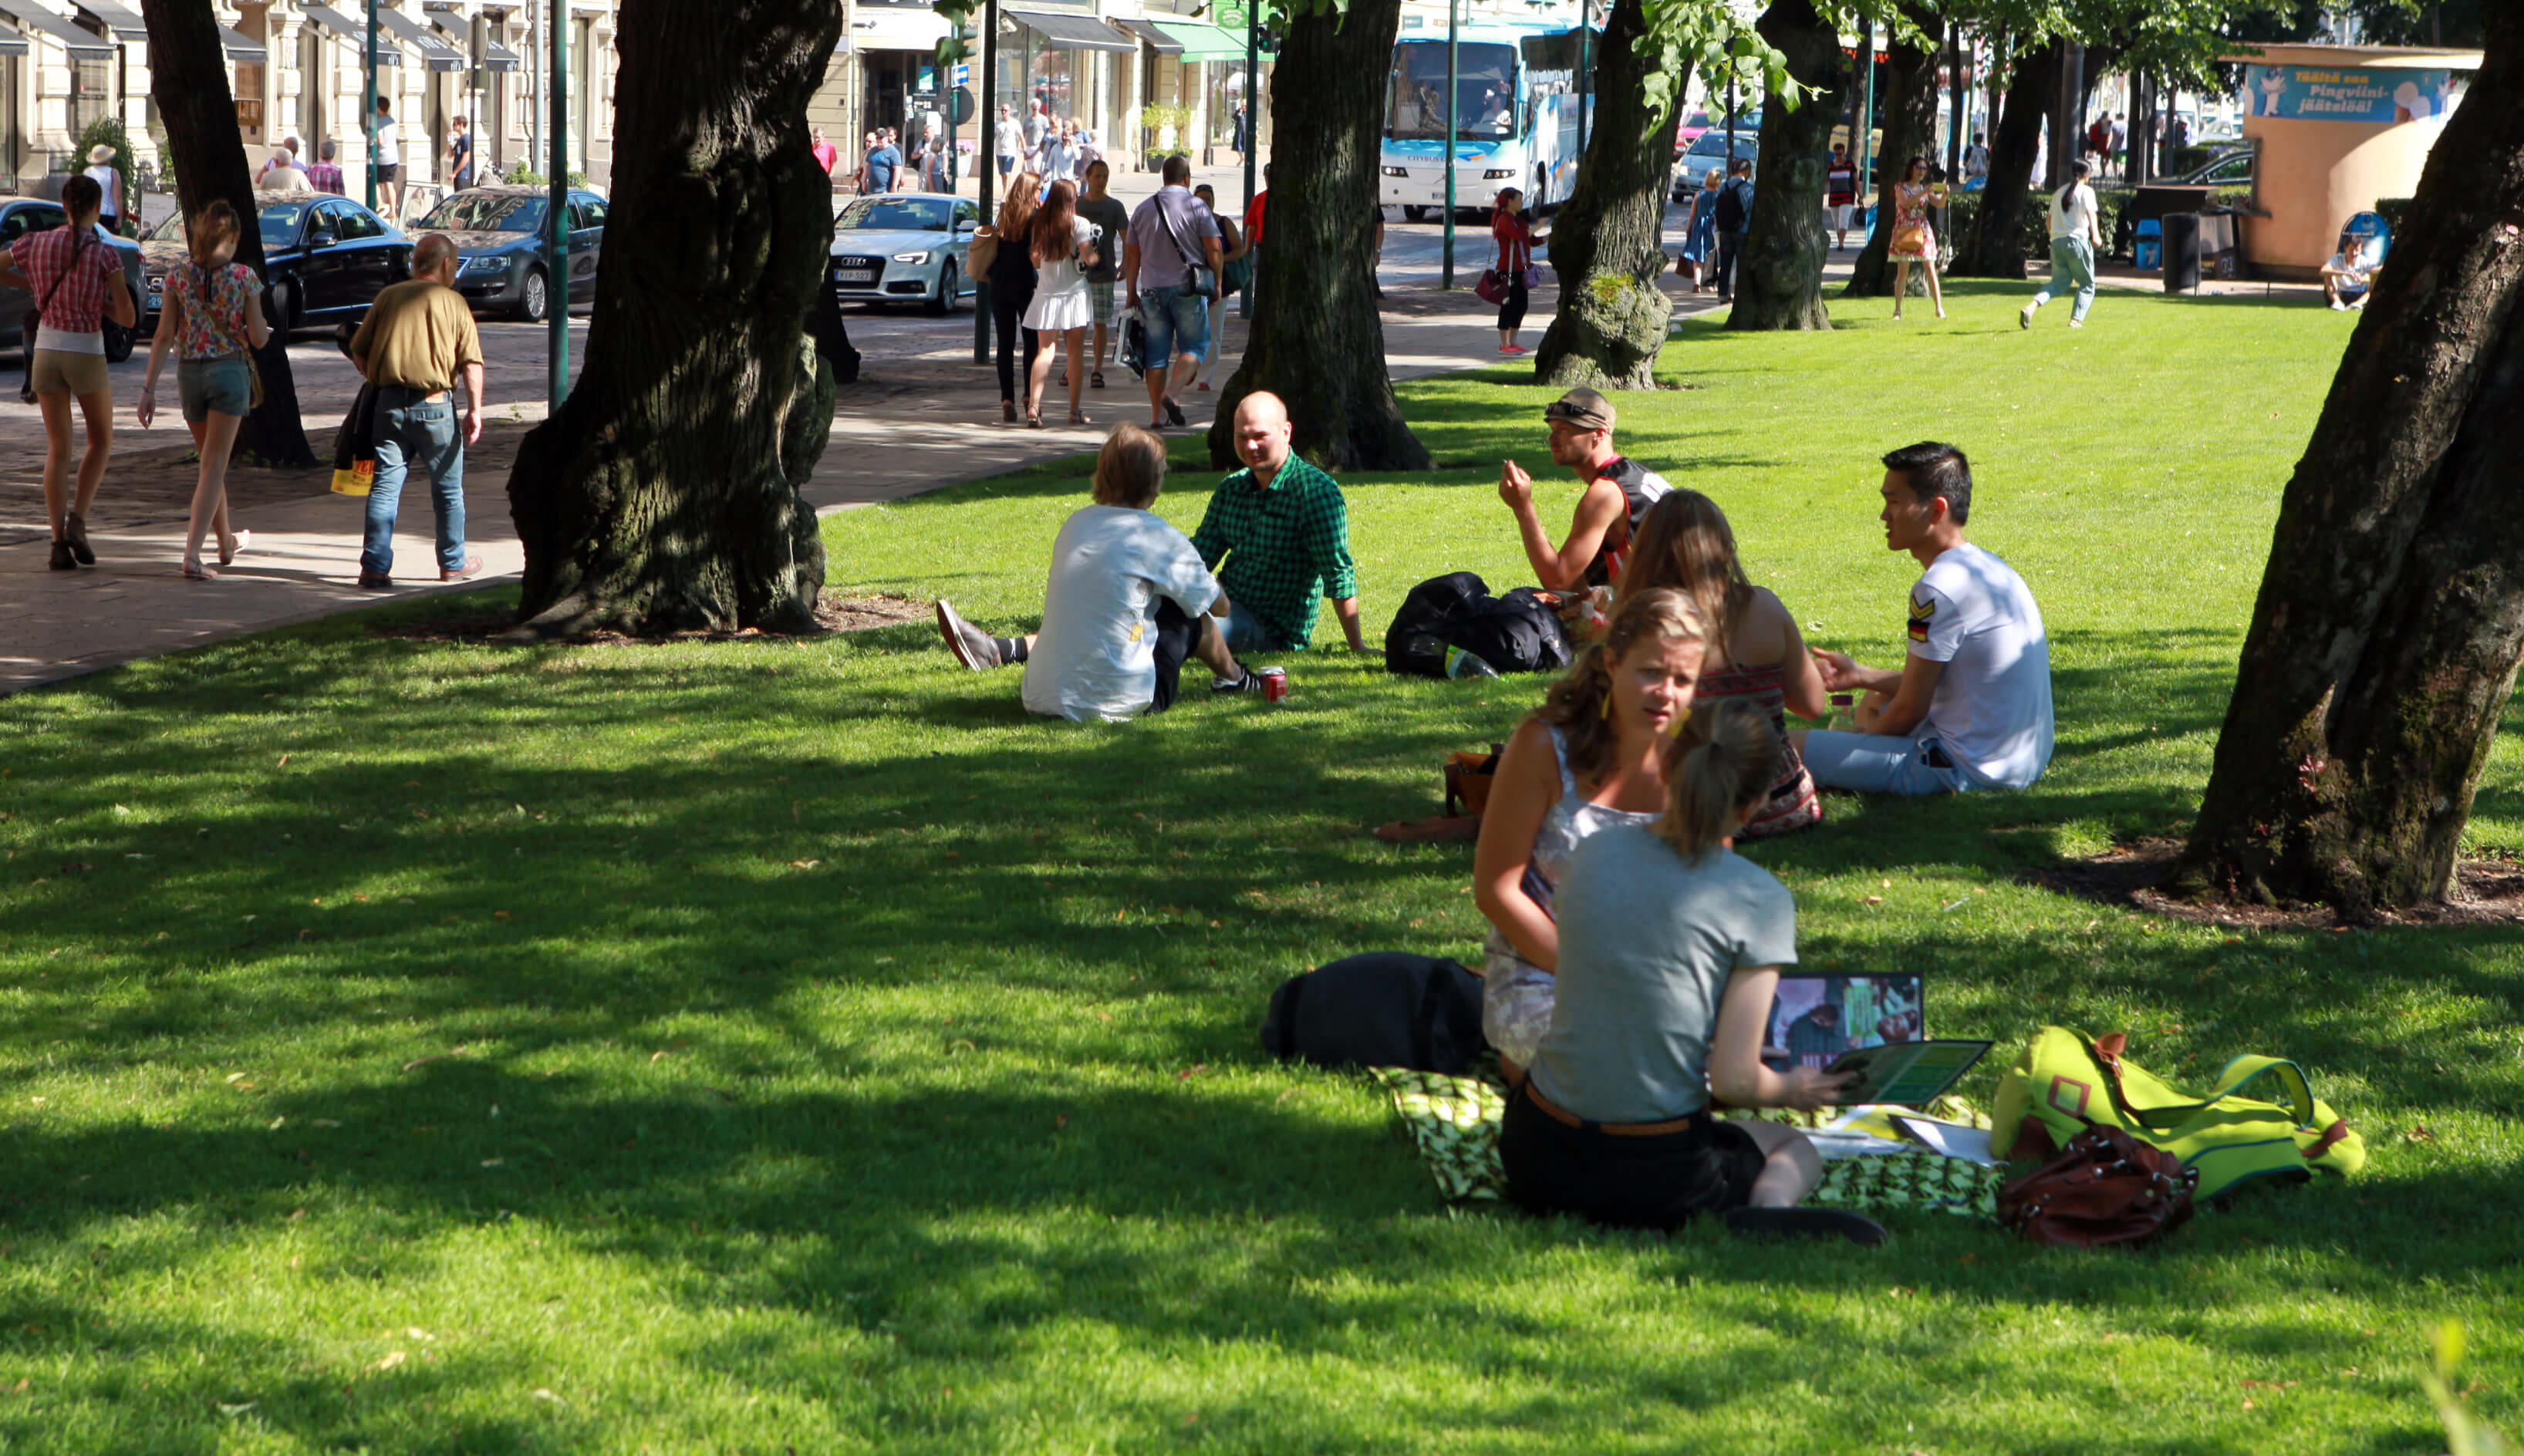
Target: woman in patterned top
{"points": [[1913, 240], [75, 278], [1755, 651], [214, 314]]}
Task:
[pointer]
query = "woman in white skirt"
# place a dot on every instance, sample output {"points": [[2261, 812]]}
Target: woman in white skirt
{"points": [[1063, 247]]}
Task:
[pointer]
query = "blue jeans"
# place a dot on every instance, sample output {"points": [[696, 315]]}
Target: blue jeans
{"points": [[2072, 269], [1246, 633], [1883, 763], [1178, 321], [413, 429]]}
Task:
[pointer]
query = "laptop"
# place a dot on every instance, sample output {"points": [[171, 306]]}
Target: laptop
{"points": [[1840, 1023]]}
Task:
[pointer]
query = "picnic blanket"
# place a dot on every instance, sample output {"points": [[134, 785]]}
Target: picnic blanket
{"points": [[1454, 1123]]}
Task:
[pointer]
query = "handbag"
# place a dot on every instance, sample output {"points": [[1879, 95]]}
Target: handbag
{"points": [[1197, 277], [35, 320], [2064, 1082], [2104, 1187], [1469, 777], [1533, 275], [981, 251], [355, 445], [1911, 237], [1493, 287], [1132, 352]]}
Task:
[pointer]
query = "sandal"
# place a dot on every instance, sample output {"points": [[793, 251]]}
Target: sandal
{"points": [[1008, 412], [1097, 379], [1078, 417], [196, 571], [236, 543], [1034, 421]]}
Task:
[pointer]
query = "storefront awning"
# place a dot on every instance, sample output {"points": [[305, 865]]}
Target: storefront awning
{"points": [[1158, 40], [12, 43], [1072, 32], [119, 22], [896, 27], [81, 44], [435, 53], [243, 49], [356, 32], [1202, 41]]}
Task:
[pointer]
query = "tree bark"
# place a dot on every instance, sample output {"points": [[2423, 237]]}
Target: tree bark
{"points": [[1781, 286], [663, 495], [2383, 645], [188, 80], [1608, 245], [1995, 248], [1910, 130], [1317, 340]]}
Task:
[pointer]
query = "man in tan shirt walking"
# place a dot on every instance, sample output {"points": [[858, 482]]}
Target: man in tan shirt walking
{"points": [[417, 337]]}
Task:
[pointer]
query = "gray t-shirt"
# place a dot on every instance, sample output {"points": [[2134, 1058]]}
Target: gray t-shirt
{"points": [[1647, 942], [1155, 224]]}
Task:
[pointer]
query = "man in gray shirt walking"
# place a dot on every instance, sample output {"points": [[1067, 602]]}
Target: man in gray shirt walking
{"points": [[1172, 235]]}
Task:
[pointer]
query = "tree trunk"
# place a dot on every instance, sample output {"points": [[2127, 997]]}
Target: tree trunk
{"points": [[188, 80], [663, 495], [1910, 130], [1608, 245], [1995, 248], [1317, 340], [1781, 286], [2384, 643]]}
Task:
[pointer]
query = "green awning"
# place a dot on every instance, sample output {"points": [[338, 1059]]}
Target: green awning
{"points": [[1202, 41]]}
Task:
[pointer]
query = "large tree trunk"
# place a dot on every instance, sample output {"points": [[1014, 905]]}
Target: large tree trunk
{"points": [[1317, 340], [1995, 247], [1608, 244], [663, 495], [1781, 286], [188, 80], [2384, 643], [1910, 130]]}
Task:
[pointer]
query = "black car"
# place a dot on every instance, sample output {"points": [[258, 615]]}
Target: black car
{"points": [[499, 237], [21, 215], [327, 257]]}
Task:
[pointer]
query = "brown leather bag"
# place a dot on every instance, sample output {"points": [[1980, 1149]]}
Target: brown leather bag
{"points": [[1468, 781], [2105, 1187]]}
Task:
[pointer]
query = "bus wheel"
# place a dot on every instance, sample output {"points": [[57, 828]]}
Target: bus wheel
{"points": [[1415, 215]]}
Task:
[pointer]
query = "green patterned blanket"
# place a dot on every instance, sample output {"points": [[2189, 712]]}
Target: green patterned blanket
{"points": [[1454, 1122]]}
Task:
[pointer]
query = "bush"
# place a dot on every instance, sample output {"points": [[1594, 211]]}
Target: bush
{"points": [[2112, 208]]}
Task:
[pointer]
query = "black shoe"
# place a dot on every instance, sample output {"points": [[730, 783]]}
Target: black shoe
{"points": [[1250, 682], [376, 581], [1804, 1222], [1175, 415], [76, 537], [62, 560]]}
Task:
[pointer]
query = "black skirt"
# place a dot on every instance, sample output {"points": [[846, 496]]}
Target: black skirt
{"points": [[1630, 1182]]}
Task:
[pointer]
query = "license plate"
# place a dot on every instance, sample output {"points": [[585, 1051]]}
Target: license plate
{"points": [[854, 276], [157, 285]]}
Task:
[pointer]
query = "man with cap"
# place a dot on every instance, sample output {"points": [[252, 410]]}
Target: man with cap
{"points": [[1619, 493]]}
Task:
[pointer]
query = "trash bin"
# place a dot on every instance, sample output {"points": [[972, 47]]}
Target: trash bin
{"points": [[2181, 252], [2149, 253]]}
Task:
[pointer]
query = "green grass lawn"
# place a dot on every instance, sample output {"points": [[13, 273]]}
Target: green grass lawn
{"points": [[769, 1046]]}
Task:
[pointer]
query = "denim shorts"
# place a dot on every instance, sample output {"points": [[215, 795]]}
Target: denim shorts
{"points": [[213, 386], [1883, 763], [1178, 321]]}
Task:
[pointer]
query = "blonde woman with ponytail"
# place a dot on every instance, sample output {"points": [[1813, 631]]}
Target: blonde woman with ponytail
{"points": [[1669, 948], [214, 315], [1592, 757]]}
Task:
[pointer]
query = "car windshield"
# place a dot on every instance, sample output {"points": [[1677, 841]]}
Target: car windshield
{"points": [[1714, 144], [1484, 92], [487, 212], [896, 215], [280, 222]]}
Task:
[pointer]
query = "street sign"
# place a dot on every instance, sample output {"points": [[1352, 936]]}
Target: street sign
{"points": [[963, 75], [961, 106]]}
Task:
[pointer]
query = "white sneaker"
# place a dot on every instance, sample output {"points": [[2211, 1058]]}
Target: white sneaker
{"points": [[2076, 323], [2024, 315], [2337, 307], [971, 645]]}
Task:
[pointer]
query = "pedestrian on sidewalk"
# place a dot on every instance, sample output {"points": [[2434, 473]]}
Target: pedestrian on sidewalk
{"points": [[212, 314], [324, 173], [1063, 245], [1253, 214], [1007, 140], [1734, 213], [75, 278], [1172, 238], [1698, 264], [1102, 208], [388, 144], [1516, 239], [1840, 190], [1234, 271], [2076, 237], [1012, 284], [108, 181], [417, 339]]}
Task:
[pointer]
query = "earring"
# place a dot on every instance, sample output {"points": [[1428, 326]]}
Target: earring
{"points": [[1608, 703]]}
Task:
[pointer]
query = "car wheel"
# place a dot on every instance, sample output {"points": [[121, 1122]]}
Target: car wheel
{"points": [[280, 308], [534, 296], [945, 302], [118, 342], [1415, 215]]}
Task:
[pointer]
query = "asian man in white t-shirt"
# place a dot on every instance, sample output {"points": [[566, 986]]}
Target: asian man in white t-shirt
{"points": [[1971, 707]]}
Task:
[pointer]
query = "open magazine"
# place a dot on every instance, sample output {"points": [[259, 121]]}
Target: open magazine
{"points": [[1908, 1073]]}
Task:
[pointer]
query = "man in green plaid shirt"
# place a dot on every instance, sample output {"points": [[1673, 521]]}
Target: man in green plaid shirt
{"points": [[1276, 535]]}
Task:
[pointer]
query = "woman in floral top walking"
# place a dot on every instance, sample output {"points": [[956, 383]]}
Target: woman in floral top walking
{"points": [[214, 314], [1913, 240]]}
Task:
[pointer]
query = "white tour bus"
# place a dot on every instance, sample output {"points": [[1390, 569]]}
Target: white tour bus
{"points": [[1515, 118]]}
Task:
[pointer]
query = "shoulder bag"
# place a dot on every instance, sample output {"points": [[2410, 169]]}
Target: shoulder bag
{"points": [[1197, 277], [34, 319], [981, 251], [2104, 1187]]}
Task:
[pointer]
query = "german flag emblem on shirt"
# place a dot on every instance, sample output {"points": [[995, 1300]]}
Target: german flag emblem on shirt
{"points": [[1922, 609]]}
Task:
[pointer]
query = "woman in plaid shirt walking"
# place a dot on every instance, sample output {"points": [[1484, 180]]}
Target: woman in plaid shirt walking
{"points": [[76, 280]]}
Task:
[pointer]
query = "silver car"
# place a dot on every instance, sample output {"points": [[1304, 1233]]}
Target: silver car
{"points": [[905, 247], [21, 215]]}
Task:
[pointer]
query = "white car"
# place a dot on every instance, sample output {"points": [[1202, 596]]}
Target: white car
{"points": [[905, 247]]}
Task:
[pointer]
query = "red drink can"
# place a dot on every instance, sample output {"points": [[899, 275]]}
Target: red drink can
{"points": [[1274, 684]]}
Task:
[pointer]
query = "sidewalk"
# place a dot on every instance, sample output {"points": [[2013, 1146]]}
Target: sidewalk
{"points": [[923, 416]]}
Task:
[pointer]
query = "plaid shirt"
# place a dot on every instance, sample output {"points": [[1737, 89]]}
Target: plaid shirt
{"points": [[325, 176], [79, 306], [1291, 544]]}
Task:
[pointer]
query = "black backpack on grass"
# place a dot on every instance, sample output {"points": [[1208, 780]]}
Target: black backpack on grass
{"points": [[1415, 644], [1383, 1009], [1513, 633]]}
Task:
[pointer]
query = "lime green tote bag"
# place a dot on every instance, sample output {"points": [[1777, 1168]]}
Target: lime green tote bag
{"points": [[2065, 1081]]}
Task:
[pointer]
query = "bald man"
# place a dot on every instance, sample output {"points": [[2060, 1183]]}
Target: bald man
{"points": [[418, 338], [1276, 535]]}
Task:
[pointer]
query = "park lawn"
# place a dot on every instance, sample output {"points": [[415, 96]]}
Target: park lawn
{"points": [[791, 1044]]}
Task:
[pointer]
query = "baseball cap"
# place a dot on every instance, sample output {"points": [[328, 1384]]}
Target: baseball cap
{"points": [[1583, 408]]}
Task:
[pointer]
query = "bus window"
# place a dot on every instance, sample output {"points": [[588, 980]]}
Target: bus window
{"points": [[1484, 92]]}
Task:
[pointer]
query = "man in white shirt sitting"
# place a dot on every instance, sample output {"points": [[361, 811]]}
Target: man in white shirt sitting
{"points": [[2348, 278], [1972, 706], [1128, 602]]}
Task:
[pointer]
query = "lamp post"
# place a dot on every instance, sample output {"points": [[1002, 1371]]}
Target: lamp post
{"points": [[1446, 267], [556, 229], [986, 143], [368, 118]]}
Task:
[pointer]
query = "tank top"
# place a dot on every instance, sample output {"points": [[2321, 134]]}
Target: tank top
{"points": [[1569, 823], [1793, 803]]}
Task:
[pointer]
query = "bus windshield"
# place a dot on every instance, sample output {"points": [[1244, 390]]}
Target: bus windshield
{"points": [[1484, 92]]}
